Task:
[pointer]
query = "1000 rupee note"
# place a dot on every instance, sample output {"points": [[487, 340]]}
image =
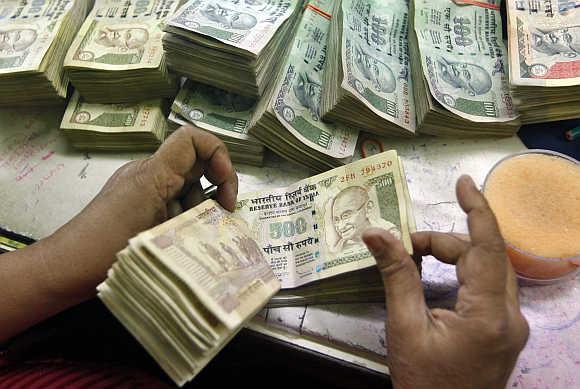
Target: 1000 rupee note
{"points": [[215, 254], [214, 109], [124, 37], [248, 25], [464, 59], [296, 103], [27, 30], [142, 117], [544, 42], [375, 59], [312, 229]]}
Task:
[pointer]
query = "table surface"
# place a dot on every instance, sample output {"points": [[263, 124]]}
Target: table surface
{"points": [[43, 184]]}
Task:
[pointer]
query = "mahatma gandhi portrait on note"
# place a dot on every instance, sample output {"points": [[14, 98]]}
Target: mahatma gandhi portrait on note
{"points": [[468, 77], [308, 91], [16, 40], [349, 214], [229, 18], [124, 37], [563, 42], [377, 72]]}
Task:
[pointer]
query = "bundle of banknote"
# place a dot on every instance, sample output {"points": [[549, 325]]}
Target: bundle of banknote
{"points": [[225, 114], [544, 52], [117, 56], [132, 127], [367, 80], [288, 118], [232, 44], [312, 230], [34, 38], [459, 69], [183, 289]]}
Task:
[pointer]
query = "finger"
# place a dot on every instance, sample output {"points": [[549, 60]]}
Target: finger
{"points": [[483, 228], [484, 269], [193, 197], [403, 289], [191, 152], [443, 246]]}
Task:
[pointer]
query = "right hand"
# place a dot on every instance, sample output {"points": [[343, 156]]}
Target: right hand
{"points": [[476, 345]]}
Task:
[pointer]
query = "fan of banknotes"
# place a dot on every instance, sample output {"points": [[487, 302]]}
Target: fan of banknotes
{"points": [[460, 70], [287, 119], [232, 45], [91, 126], [544, 47], [225, 114], [367, 82], [117, 56], [185, 287], [34, 39], [181, 292]]}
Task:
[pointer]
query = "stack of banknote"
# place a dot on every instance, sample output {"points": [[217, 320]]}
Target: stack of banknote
{"points": [[234, 45], [93, 126], [288, 118], [367, 80], [117, 56], [459, 67], [34, 39], [184, 288], [544, 48], [312, 230], [225, 114]]}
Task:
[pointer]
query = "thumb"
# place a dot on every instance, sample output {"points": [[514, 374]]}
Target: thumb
{"points": [[406, 307]]}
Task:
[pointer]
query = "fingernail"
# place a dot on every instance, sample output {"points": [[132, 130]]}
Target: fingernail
{"points": [[468, 180]]}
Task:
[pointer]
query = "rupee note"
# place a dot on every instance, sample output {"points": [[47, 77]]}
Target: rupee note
{"points": [[27, 30], [214, 109], [312, 229], [375, 57], [297, 101], [245, 24], [464, 59], [121, 36], [544, 41]]}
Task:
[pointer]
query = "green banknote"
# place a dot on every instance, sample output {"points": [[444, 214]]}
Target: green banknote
{"points": [[312, 229], [464, 59], [27, 31], [296, 102], [123, 36], [112, 118], [215, 110], [375, 57], [244, 24]]}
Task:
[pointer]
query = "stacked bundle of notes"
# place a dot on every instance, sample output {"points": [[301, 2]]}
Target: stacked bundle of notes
{"points": [[367, 82], [459, 68], [117, 56], [544, 48], [34, 38], [288, 118], [185, 287], [225, 114], [233, 45], [91, 126]]}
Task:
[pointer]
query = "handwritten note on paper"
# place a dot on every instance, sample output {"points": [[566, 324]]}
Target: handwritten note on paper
{"points": [[43, 182]]}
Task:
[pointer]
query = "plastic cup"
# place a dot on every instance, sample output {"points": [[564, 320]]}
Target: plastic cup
{"points": [[531, 194]]}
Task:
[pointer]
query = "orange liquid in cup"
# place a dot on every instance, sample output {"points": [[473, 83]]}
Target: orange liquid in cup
{"points": [[536, 199]]}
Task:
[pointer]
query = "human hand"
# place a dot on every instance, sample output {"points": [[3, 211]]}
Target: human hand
{"points": [[137, 197], [476, 345]]}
